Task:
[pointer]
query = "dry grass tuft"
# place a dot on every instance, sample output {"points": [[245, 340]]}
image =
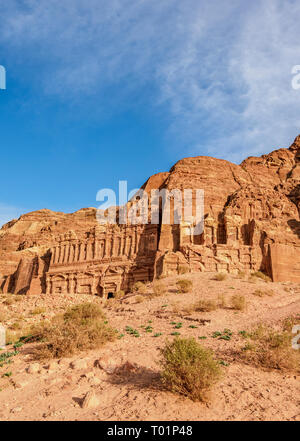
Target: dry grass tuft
{"points": [[184, 285], [8, 301], [261, 275], [205, 306], [158, 288], [220, 277], [241, 275], [272, 349], [119, 294], [238, 302], [81, 327], [140, 288], [188, 368], [3, 315], [37, 311], [183, 269], [261, 293], [222, 301]]}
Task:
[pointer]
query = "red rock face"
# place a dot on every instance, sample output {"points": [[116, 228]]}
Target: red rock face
{"points": [[251, 214]]}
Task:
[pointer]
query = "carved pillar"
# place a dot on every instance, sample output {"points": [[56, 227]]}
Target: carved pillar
{"points": [[89, 251], [106, 246], [101, 249], [67, 252], [82, 252], [96, 249], [94, 285], [71, 253], [112, 244], [121, 245], [59, 254], [136, 240], [52, 256], [48, 284], [132, 248], [71, 284], [125, 245]]}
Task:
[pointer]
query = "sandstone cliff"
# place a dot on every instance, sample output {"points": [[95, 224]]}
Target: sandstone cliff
{"points": [[252, 222]]}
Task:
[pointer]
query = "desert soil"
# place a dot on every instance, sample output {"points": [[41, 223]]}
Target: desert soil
{"points": [[55, 390]]}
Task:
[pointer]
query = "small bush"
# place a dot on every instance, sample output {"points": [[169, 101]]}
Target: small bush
{"points": [[81, 327], [38, 311], [3, 316], [119, 294], [238, 302], [261, 293], [8, 301], [183, 269], [159, 289], [188, 368], [205, 306], [140, 288], [184, 285], [290, 322], [221, 301], [241, 275], [139, 299], [261, 275], [220, 277], [272, 349], [15, 326]]}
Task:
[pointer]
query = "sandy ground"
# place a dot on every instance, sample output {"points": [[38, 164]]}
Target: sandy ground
{"points": [[55, 390]]}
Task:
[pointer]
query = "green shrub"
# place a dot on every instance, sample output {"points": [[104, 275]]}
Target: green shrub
{"points": [[184, 285], [188, 368]]}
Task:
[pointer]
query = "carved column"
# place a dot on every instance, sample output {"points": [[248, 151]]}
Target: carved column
{"points": [[71, 284], [82, 252], [59, 254], [48, 284], [71, 254], [125, 245], [67, 252], [89, 251], [52, 256], [106, 246], [121, 245], [136, 241]]}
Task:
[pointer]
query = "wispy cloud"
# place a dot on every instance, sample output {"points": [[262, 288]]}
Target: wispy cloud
{"points": [[7, 213], [220, 71]]}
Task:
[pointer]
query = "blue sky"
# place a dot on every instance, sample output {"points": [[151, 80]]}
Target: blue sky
{"points": [[99, 91]]}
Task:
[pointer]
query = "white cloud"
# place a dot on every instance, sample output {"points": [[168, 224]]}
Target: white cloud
{"points": [[220, 71]]}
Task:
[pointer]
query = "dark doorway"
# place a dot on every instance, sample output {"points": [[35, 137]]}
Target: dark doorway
{"points": [[110, 295]]}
